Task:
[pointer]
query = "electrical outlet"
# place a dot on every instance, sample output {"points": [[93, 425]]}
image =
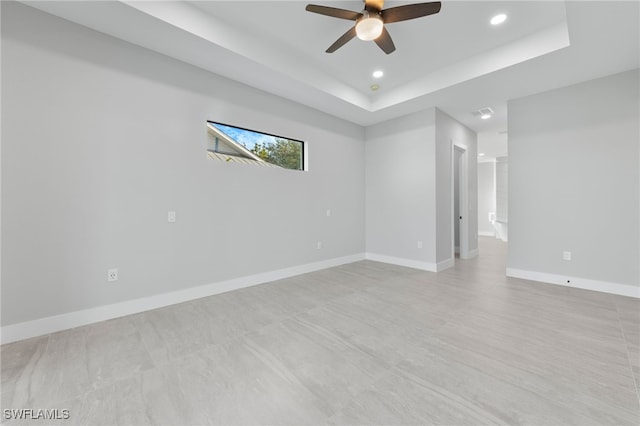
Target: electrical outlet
{"points": [[566, 255], [419, 244], [112, 274], [328, 212], [319, 245], [171, 217]]}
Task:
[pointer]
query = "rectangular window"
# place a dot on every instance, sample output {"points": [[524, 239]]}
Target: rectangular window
{"points": [[235, 144]]}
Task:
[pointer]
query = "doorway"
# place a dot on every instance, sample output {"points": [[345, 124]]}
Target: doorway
{"points": [[459, 201]]}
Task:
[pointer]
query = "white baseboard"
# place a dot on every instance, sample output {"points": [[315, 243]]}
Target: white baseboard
{"points": [[410, 263], [445, 264], [583, 283], [42, 326], [486, 234], [416, 264], [470, 254]]}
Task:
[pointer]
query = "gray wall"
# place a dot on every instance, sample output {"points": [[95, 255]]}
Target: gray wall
{"points": [[101, 138], [502, 190], [502, 198], [448, 130], [573, 180], [400, 187], [486, 196], [408, 186]]}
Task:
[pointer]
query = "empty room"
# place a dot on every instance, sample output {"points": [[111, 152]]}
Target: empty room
{"points": [[320, 212]]}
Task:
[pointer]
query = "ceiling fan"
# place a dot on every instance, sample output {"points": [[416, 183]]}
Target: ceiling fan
{"points": [[370, 22]]}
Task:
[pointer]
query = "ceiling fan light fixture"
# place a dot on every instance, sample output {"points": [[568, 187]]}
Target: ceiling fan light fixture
{"points": [[369, 27], [370, 22]]}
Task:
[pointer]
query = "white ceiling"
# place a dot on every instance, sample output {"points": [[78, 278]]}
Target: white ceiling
{"points": [[423, 45], [492, 145], [454, 60]]}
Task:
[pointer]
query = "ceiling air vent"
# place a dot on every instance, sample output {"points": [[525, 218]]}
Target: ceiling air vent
{"points": [[483, 111]]}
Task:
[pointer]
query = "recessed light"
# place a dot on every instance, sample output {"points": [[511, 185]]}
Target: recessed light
{"points": [[481, 154], [378, 74], [374, 87], [485, 116], [498, 19]]}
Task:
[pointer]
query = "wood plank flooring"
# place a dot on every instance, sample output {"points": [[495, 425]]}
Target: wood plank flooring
{"points": [[364, 343]]}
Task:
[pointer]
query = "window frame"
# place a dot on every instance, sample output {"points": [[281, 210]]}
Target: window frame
{"points": [[303, 151]]}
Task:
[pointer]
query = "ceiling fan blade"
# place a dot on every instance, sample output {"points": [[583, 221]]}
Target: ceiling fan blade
{"points": [[374, 4], [333, 12], [410, 11], [384, 42], [342, 40]]}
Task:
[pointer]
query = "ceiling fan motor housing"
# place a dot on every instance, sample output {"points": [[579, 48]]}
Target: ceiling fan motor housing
{"points": [[369, 24]]}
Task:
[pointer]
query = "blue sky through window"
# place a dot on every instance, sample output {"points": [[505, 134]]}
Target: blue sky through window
{"points": [[246, 138]]}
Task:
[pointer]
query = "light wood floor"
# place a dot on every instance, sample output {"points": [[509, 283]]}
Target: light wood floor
{"points": [[365, 343]]}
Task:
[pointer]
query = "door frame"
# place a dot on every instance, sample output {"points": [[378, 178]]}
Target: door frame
{"points": [[463, 193]]}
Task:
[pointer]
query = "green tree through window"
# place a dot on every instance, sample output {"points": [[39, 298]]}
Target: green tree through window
{"points": [[283, 152], [251, 147]]}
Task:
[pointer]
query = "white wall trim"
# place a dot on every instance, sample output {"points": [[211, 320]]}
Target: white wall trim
{"points": [[52, 324], [486, 234], [445, 264], [417, 264], [584, 283], [410, 263], [473, 253]]}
